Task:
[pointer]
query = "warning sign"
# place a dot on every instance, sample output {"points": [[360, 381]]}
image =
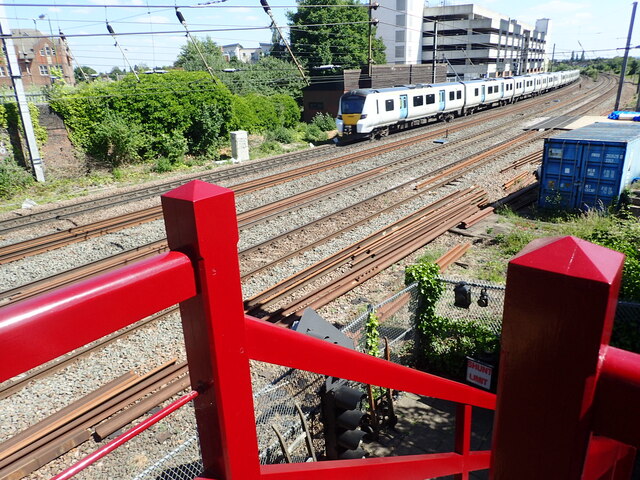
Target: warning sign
{"points": [[479, 373]]}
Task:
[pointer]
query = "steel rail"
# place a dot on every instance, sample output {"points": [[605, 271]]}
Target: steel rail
{"points": [[62, 213]]}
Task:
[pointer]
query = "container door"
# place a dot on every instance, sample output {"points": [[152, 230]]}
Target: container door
{"points": [[601, 175], [560, 180], [441, 97], [482, 93], [404, 110]]}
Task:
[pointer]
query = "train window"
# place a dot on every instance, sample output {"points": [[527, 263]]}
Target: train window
{"points": [[490, 90], [352, 104], [388, 105], [417, 101], [316, 105], [452, 95], [459, 94], [431, 98], [475, 92]]}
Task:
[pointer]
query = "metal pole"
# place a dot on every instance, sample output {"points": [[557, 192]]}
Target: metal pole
{"points": [[435, 51], [626, 57], [23, 108], [369, 59], [553, 54], [267, 9]]}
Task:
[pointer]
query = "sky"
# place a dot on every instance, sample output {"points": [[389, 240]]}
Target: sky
{"points": [[599, 27]]}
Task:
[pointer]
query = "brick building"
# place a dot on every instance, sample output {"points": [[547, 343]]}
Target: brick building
{"points": [[37, 55]]}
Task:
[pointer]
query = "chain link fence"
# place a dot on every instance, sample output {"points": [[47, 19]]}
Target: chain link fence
{"points": [[282, 396]]}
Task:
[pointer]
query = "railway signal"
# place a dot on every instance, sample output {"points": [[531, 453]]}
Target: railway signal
{"points": [[342, 418]]}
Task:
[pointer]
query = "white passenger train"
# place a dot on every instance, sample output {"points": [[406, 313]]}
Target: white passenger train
{"points": [[371, 112]]}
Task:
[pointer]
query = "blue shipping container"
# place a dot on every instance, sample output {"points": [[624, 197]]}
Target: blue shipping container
{"points": [[590, 166]]}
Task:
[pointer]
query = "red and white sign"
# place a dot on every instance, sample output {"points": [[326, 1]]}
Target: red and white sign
{"points": [[479, 373]]}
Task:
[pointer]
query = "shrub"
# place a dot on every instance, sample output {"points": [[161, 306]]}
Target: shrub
{"points": [[281, 134], [171, 146], [442, 343], [313, 133], [324, 121], [266, 117], [117, 141], [287, 109], [206, 132], [13, 179], [270, 148]]}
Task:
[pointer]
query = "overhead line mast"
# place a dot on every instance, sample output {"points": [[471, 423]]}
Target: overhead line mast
{"points": [[267, 9]]}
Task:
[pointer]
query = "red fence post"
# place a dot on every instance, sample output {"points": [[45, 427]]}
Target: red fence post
{"points": [[559, 308], [200, 219]]}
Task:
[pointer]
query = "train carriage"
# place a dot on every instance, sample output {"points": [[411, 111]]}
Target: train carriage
{"points": [[376, 112]]}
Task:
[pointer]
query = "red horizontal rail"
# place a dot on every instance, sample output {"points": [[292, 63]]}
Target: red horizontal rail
{"points": [[617, 401], [125, 437], [42, 328], [273, 344], [409, 467]]}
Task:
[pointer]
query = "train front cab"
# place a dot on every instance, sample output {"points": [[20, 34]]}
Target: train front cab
{"points": [[350, 112]]}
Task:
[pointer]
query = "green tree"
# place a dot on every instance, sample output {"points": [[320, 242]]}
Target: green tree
{"points": [[268, 76], [88, 71], [191, 56], [335, 32]]}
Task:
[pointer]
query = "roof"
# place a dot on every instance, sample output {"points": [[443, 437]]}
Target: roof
{"points": [[26, 41], [604, 132]]}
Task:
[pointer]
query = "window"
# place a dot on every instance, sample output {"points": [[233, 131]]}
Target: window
{"points": [[44, 70], [400, 35], [400, 20], [388, 105], [46, 51], [490, 90], [3, 71], [452, 95], [476, 92], [459, 94], [417, 101], [401, 5], [431, 98], [316, 105], [400, 51]]}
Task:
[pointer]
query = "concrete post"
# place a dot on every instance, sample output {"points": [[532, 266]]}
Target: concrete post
{"points": [[239, 145]]}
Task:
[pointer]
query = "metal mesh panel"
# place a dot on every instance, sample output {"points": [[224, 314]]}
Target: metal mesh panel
{"points": [[490, 315]]}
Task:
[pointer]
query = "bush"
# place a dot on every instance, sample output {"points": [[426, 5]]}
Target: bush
{"points": [[442, 343], [313, 133], [177, 103], [324, 121], [270, 148], [13, 179], [171, 146], [287, 109], [281, 134], [264, 110], [117, 141]]}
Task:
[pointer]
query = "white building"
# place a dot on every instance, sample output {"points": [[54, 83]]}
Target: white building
{"points": [[474, 42], [245, 55]]}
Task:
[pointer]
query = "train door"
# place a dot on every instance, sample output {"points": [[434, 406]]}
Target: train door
{"points": [[482, 93], [404, 110], [502, 90], [441, 99]]}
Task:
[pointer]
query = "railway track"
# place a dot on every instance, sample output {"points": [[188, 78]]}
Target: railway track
{"points": [[37, 245], [366, 257], [239, 171], [434, 178]]}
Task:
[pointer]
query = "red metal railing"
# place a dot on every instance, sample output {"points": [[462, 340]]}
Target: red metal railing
{"points": [[202, 274]]}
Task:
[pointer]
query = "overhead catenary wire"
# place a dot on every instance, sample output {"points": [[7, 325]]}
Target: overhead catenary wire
{"points": [[196, 45], [112, 32]]}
